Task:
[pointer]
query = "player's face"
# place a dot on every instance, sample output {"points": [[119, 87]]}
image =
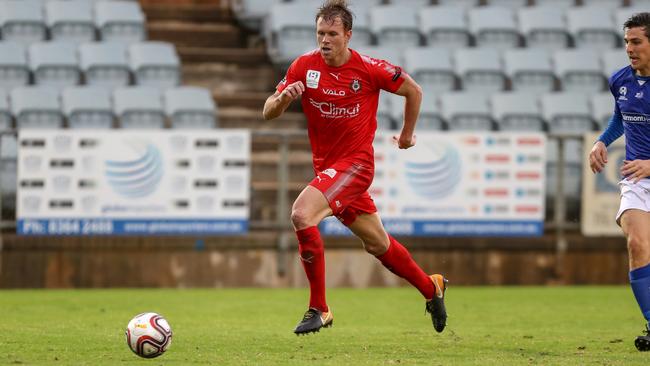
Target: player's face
{"points": [[637, 47], [332, 40]]}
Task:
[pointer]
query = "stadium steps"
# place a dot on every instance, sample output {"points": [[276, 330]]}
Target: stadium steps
{"points": [[230, 78], [195, 34], [187, 12], [238, 117]]}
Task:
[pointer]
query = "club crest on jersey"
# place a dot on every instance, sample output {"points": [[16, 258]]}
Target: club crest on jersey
{"points": [[313, 77], [355, 85]]}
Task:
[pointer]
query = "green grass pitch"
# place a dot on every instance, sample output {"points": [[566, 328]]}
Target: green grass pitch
{"points": [[486, 326]]}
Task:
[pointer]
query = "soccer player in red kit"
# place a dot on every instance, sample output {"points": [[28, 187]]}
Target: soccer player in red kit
{"points": [[340, 92]]}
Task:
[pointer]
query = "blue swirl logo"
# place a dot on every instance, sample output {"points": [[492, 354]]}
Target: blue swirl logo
{"points": [[137, 177], [435, 175]]}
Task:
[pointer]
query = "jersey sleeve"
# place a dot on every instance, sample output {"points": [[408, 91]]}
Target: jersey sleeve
{"points": [[385, 75], [290, 77]]}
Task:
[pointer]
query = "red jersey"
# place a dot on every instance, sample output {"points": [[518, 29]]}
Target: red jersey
{"points": [[341, 104]]}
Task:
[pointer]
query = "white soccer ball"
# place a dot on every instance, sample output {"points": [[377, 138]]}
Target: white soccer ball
{"points": [[148, 335]]}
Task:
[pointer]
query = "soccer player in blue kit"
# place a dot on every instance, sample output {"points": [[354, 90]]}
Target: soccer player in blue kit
{"points": [[632, 118]]}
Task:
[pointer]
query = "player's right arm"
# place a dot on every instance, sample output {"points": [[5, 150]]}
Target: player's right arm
{"points": [[598, 153], [278, 102]]}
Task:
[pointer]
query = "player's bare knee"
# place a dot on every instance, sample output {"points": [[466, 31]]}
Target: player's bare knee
{"points": [[300, 218], [375, 246], [637, 246]]}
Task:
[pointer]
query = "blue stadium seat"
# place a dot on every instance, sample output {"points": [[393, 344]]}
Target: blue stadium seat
{"points": [[444, 26], [105, 64], [139, 107], [14, 69], [121, 21], [190, 107], [70, 20], [517, 111], [87, 107], [155, 64], [36, 107], [54, 63], [22, 21]]}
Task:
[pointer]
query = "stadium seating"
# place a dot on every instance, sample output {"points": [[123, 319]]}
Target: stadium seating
{"points": [[139, 107], [609, 4], [54, 64], [389, 54], [613, 60], [362, 34], [14, 70], [5, 111], [517, 111], [190, 107], [494, 27], [155, 64], [463, 3], [444, 26], [431, 67], [395, 26], [288, 32], [529, 69], [461, 115], [120, 21], [431, 117], [251, 13], [543, 27], [513, 4], [479, 69], [602, 108], [579, 70], [22, 21], [384, 112], [70, 20], [592, 27], [567, 112], [36, 107], [87, 107], [105, 64]]}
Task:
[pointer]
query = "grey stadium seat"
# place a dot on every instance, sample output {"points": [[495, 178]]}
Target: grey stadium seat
{"points": [[54, 63], [544, 27], [120, 21], [36, 107], [561, 4], [411, 3], [602, 108], [384, 112], [395, 26], [530, 69], [251, 13], [480, 69], [579, 70], [22, 21], [463, 3], [87, 107], [155, 64], [513, 4], [567, 112], [362, 34], [613, 60], [190, 107], [289, 32], [431, 67], [517, 111], [14, 69], [139, 107], [593, 27], [444, 26], [607, 4], [466, 111], [430, 118], [70, 20], [105, 64], [392, 55], [494, 26], [5, 111]]}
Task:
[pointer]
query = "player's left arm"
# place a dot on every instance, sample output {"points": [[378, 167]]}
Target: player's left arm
{"points": [[412, 92]]}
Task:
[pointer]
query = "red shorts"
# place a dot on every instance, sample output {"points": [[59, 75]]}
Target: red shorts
{"points": [[345, 186]]}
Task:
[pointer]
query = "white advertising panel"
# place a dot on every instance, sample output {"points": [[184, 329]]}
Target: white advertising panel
{"points": [[600, 193], [133, 182], [459, 184]]}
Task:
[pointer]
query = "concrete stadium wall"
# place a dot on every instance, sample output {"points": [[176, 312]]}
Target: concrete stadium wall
{"points": [[253, 261]]}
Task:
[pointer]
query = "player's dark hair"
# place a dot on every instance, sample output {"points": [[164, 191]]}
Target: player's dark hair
{"points": [[639, 20], [331, 9]]}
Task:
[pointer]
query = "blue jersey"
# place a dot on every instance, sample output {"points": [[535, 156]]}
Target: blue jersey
{"points": [[632, 110]]}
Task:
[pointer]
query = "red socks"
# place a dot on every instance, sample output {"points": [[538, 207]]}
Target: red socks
{"points": [[312, 256], [398, 260]]}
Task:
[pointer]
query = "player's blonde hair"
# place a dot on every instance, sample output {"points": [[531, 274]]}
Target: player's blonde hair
{"points": [[331, 9]]}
